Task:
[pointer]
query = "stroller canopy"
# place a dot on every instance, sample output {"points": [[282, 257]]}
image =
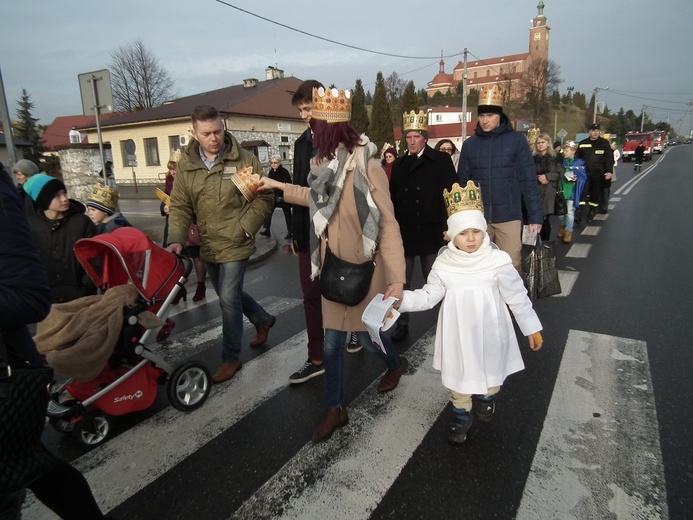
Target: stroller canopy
{"points": [[128, 255]]}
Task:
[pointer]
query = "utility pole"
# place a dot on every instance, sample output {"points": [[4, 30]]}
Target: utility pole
{"points": [[596, 102], [642, 118], [464, 99]]}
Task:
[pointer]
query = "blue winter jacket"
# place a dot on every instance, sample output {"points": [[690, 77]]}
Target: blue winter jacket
{"points": [[501, 163]]}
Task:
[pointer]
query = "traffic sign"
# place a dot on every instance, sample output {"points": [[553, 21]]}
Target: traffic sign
{"points": [[130, 146], [562, 133]]}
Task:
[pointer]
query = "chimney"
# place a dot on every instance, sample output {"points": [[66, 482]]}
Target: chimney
{"points": [[273, 73], [250, 83]]}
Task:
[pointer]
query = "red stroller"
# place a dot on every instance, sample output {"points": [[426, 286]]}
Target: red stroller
{"points": [[129, 380]]}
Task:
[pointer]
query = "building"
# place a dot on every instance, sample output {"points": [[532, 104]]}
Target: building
{"points": [[507, 71], [258, 113]]}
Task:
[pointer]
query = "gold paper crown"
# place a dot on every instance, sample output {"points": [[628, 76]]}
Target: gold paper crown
{"points": [[176, 155], [413, 121], [246, 181], [532, 135], [462, 199], [492, 96], [103, 198], [331, 105]]}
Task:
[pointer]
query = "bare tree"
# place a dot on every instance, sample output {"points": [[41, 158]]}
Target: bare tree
{"points": [[540, 78], [137, 78], [394, 85]]}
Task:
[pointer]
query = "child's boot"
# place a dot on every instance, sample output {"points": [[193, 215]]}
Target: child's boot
{"points": [[485, 406], [567, 237], [459, 425], [561, 232]]}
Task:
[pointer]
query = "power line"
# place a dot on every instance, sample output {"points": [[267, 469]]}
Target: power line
{"points": [[332, 41]]}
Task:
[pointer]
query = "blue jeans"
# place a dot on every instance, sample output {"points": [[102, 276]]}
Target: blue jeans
{"points": [[335, 341], [227, 280], [568, 220]]}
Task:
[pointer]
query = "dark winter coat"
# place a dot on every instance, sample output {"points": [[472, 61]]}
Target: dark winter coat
{"points": [[416, 188], [598, 156], [55, 240], [300, 215], [501, 163], [115, 221], [552, 167], [25, 296], [281, 174], [26, 202]]}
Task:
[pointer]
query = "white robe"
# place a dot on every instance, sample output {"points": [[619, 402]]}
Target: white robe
{"points": [[475, 345]]}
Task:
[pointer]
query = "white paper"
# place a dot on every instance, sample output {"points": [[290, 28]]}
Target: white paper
{"points": [[529, 238], [379, 315]]}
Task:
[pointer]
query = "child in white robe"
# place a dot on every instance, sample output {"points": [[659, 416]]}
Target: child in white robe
{"points": [[475, 345]]}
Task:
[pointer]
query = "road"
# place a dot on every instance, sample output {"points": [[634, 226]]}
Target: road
{"points": [[598, 425]]}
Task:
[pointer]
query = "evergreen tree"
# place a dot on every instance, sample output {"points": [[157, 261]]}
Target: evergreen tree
{"points": [[381, 130], [369, 98], [409, 102], [589, 112], [359, 114], [423, 96], [27, 129], [555, 98]]}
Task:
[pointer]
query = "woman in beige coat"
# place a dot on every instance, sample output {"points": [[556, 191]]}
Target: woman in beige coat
{"points": [[350, 206]]}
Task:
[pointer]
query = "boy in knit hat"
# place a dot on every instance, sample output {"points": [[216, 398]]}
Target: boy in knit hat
{"points": [[475, 345], [23, 170], [102, 208], [57, 224]]}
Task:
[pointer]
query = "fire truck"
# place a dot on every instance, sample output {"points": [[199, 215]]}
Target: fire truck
{"points": [[631, 141], [659, 139]]}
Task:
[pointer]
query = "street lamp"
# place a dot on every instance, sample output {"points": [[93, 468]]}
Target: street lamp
{"points": [[596, 102]]}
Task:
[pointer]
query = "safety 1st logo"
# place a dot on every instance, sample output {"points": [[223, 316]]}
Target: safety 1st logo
{"points": [[136, 395]]}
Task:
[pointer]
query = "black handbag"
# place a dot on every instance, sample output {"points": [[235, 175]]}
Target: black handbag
{"points": [[541, 273], [560, 206], [23, 402], [344, 282]]}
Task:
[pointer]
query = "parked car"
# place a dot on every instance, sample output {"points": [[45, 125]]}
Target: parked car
{"points": [[674, 141], [687, 140]]}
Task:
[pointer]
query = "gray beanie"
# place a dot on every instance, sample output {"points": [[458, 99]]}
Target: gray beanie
{"points": [[26, 167]]}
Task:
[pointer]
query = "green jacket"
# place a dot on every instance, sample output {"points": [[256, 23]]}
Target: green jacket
{"points": [[226, 221]]}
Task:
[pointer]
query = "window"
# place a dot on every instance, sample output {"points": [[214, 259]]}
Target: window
{"points": [[475, 75], [513, 70], [151, 151], [284, 139], [174, 143], [439, 118], [123, 153], [501, 71], [488, 73]]}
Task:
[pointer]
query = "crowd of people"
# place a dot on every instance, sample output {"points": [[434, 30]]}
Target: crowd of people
{"points": [[460, 212]]}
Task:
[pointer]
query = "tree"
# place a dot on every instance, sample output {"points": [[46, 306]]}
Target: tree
{"points": [[359, 114], [423, 96], [394, 86], [137, 79], [27, 129], [541, 77], [369, 98], [381, 129]]}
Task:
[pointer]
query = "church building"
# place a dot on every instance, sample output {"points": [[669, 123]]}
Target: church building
{"points": [[506, 71]]}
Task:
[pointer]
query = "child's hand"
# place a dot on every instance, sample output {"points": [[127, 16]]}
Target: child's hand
{"points": [[535, 341]]}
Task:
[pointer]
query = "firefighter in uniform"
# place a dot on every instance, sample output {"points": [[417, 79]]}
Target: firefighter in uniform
{"points": [[599, 164]]}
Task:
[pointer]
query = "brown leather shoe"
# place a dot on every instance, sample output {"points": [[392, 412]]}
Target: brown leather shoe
{"points": [[334, 418], [391, 378], [226, 371], [262, 332]]}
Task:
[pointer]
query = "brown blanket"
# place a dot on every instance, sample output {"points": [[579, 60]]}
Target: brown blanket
{"points": [[78, 337]]}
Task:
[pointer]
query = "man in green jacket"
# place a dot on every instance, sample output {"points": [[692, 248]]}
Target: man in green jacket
{"points": [[227, 222]]}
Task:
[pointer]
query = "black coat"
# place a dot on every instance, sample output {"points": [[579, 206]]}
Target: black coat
{"points": [[416, 188], [24, 292], [281, 174], [552, 168], [55, 240], [300, 221]]}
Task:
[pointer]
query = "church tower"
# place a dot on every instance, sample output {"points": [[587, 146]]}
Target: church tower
{"points": [[539, 35]]}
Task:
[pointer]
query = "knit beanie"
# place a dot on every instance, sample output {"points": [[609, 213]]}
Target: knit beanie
{"points": [[468, 219], [42, 188], [104, 199], [25, 166]]}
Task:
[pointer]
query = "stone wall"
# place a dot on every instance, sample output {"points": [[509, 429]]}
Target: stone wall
{"points": [[80, 165]]}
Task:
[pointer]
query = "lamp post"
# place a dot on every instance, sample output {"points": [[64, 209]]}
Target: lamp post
{"points": [[596, 102]]}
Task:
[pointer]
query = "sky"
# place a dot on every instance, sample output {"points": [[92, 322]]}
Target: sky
{"points": [[640, 50]]}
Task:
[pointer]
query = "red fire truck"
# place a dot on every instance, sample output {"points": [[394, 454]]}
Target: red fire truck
{"points": [[659, 139], [631, 141]]}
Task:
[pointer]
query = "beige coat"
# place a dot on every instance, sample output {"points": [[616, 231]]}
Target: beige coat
{"points": [[344, 232]]}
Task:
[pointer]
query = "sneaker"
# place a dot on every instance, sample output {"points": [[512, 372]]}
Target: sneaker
{"points": [[459, 425], [484, 407], [353, 346], [306, 372]]}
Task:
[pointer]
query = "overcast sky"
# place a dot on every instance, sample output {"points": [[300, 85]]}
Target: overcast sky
{"points": [[642, 50]]}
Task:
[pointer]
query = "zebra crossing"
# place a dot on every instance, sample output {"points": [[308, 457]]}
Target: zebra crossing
{"points": [[587, 460]]}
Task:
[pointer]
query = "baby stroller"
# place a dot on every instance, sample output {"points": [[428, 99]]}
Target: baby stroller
{"points": [[129, 380]]}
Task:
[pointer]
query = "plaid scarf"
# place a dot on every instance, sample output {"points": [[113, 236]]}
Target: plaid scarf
{"points": [[326, 183]]}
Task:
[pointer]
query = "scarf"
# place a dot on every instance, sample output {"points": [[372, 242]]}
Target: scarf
{"points": [[486, 258], [326, 182]]}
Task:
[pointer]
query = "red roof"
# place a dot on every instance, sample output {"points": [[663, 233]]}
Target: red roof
{"points": [[442, 131], [57, 134]]}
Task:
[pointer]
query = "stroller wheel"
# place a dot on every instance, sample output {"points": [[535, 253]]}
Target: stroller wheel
{"points": [[62, 425], [93, 429], [189, 386]]}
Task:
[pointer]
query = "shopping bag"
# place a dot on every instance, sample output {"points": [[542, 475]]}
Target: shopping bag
{"points": [[539, 267]]}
